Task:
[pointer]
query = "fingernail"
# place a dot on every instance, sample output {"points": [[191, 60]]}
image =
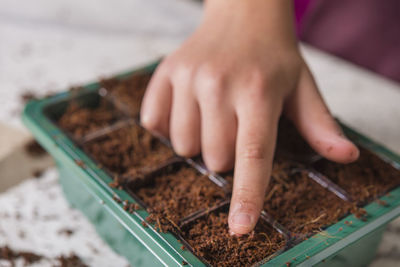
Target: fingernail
{"points": [[232, 233], [241, 219]]}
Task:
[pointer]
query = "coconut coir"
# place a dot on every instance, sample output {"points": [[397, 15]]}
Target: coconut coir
{"points": [[176, 192], [290, 144], [300, 204], [210, 238], [79, 121], [367, 178], [129, 151], [128, 93]]}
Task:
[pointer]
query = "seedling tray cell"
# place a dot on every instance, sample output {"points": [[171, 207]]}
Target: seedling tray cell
{"points": [[132, 187], [301, 205], [207, 233], [175, 193], [89, 113], [118, 91], [375, 178], [127, 150]]}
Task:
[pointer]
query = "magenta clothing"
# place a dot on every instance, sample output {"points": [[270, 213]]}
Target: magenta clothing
{"points": [[300, 7], [366, 32]]}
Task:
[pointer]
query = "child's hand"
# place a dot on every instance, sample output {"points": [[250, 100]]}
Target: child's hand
{"points": [[223, 91]]}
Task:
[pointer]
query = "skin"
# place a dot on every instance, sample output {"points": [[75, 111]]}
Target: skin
{"points": [[222, 93]]}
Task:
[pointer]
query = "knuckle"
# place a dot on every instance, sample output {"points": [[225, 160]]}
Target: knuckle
{"points": [[183, 72], [166, 66], [254, 152], [210, 77], [248, 198], [210, 71], [258, 93], [257, 78]]}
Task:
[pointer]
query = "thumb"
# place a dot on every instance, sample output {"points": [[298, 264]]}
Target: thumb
{"points": [[308, 111]]}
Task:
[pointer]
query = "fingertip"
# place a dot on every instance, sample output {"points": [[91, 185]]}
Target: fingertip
{"points": [[242, 218], [152, 124], [220, 165], [144, 112], [241, 223], [355, 153], [339, 149], [186, 149], [156, 106], [146, 121], [349, 152]]}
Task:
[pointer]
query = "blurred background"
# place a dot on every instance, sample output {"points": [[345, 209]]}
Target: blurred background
{"points": [[46, 46]]}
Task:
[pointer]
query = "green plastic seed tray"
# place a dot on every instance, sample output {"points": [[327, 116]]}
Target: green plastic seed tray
{"points": [[87, 187]]}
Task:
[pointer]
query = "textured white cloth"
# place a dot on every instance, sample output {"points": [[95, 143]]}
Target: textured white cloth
{"points": [[35, 217]]}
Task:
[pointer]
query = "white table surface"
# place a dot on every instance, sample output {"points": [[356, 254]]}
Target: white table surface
{"points": [[48, 45]]}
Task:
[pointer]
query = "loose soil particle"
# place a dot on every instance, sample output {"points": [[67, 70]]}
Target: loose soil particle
{"points": [[66, 231], [34, 149], [300, 204], [209, 236], [70, 261], [128, 93], [37, 173], [28, 96], [80, 121], [367, 178], [176, 192], [129, 151]]}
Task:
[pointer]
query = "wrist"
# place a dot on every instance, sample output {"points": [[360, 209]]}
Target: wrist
{"points": [[273, 19]]}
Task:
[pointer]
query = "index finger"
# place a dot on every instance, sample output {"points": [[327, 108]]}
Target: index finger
{"points": [[255, 147]]}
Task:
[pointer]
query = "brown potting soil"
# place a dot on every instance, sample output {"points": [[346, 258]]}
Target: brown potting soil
{"points": [[176, 192], [365, 179], [300, 204], [130, 151], [128, 93], [79, 121], [210, 238]]}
